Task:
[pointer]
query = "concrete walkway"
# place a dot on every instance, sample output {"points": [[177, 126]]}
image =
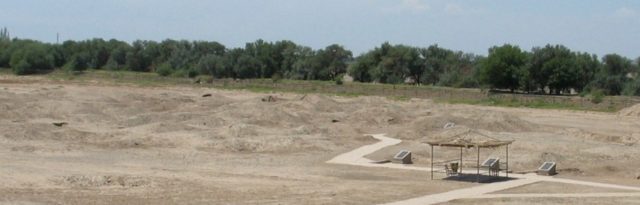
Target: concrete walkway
{"points": [[549, 195], [472, 192], [356, 158]]}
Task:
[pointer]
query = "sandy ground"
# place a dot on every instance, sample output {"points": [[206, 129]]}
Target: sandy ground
{"points": [[555, 187], [170, 145]]}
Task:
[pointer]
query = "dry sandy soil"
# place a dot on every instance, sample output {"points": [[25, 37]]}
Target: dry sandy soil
{"points": [[169, 145]]}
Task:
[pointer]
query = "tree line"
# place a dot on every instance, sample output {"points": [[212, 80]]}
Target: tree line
{"points": [[258, 59], [553, 69]]}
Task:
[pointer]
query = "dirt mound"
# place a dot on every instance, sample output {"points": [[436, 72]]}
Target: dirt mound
{"points": [[380, 115], [268, 144], [278, 114], [102, 181], [47, 131], [584, 135], [138, 142], [433, 122], [499, 122], [633, 111], [321, 103]]}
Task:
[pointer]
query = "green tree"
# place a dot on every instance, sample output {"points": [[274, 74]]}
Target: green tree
{"points": [[137, 59], [260, 52], [613, 74], [388, 64], [164, 69], [332, 61], [8, 48], [118, 57], [58, 55], [4, 35], [5, 53], [183, 56], [360, 70], [554, 67], [79, 62], [285, 55], [247, 66], [503, 67], [435, 63], [304, 64], [632, 88], [32, 58], [615, 64], [399, 63], [214, 65], [458, 69], [587, 65]]}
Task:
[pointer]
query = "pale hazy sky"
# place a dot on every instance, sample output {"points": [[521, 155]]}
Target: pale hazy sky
{"points": [[596, 26]]}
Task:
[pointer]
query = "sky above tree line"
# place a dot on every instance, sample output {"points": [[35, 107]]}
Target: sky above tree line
{"points": [[595, 26]]}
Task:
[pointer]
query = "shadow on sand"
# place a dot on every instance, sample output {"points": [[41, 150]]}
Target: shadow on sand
{"points": [[481, 178]]}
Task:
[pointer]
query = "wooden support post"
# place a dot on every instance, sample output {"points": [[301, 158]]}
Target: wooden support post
{"points": [[507, 171], [431, 162], [478, 163], [460, 165]]}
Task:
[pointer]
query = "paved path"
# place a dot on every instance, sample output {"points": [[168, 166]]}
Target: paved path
{"points": [[569, 195], [465, 193], [356, 158]]}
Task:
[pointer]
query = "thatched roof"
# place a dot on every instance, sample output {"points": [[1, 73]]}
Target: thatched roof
{"points": [[464, 137]]}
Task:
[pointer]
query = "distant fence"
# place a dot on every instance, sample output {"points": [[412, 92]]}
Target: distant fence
{"points": [[426, 92]]}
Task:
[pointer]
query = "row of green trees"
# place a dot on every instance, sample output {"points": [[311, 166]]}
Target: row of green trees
{"points": [[553, 69], [404, 64], [259, 59]]}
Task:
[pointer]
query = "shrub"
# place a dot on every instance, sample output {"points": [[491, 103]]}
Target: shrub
{"points": [[111, 65], [276, 78], [32, 58], [597, 96], [21, 68], [164, 70], [192, 73], [339, 79], [632, 88], [185, 73], [79, 62]]}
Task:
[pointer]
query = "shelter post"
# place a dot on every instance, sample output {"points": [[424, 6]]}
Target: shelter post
{"points": [[460, 166], [507, 171], [431, 162], [478, 165]]}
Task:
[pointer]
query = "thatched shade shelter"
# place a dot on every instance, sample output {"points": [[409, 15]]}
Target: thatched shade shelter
{"points": [[467, 138]]}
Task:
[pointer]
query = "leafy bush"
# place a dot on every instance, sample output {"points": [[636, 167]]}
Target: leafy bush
{"points": [[164, 70], [339, 79], [468, 82], [5, 53], [192, 73], [112, 65], [597, 96], [632, 88], [22, 68], [276, 78], [79, 62], [32, 58], [185, 73]]}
